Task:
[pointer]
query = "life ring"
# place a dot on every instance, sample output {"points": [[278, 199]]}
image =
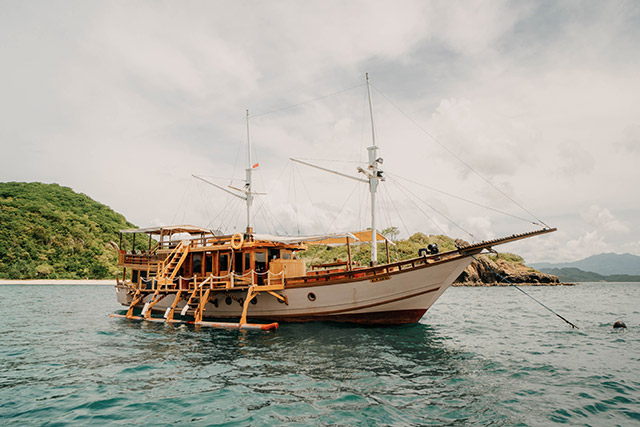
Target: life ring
{"points": [[236, 241]]}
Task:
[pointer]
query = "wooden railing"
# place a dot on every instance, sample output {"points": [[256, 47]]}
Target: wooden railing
{"points": [[231, 281], [372, 272], [137, 259]]}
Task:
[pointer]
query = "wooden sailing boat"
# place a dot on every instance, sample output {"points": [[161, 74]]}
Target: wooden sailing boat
{"points": [[250, 276]]}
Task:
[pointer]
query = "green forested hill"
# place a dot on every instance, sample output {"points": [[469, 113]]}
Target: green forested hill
{"points": [[51, 232], [404, 249]]}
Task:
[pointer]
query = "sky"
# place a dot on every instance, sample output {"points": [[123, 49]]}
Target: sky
{"points": [[492, 117]]}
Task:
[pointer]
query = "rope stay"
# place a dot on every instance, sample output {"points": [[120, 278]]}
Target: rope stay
{"points": [[288, 107], [405, 189], [355, 187], [510, 283], [315, 211], [265, 203], [463, 199], [398, 213], [444, 147]]}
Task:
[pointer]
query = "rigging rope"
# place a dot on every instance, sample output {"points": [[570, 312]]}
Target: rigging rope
{"points": [[355, 187], [295, 199], [206, 210], [518, 288], [315, 211], [265, 203], [459, 159], [398, 213], [463, 199], [432, 208], [306, 102], [181, 204]]}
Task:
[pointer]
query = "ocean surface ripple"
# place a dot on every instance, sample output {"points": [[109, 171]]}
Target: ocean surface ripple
{"points": [[480, 356]]}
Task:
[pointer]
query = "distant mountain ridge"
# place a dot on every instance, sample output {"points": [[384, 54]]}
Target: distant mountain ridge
{"points": [[606, 264], [572, 274]]}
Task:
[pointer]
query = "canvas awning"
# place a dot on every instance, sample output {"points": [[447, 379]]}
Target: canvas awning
{"points": [[305, 239], [334, 239], [356, 237], [170, 229]]}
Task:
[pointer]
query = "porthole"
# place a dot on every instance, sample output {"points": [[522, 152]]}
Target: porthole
{"points": [[254, 301], [228, 300], [311, 296]]}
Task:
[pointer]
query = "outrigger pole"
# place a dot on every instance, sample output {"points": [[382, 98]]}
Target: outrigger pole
{"points": [[373, 174]]}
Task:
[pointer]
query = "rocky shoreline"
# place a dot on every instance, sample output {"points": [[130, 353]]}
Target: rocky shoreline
{"points": [[482, 272]]}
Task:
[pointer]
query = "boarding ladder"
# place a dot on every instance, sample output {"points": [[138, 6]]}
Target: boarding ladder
{"points": [[196, 302]]}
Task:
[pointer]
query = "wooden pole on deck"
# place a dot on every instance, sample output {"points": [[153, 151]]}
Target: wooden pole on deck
{"points": [[386, 245], [349, 254]]}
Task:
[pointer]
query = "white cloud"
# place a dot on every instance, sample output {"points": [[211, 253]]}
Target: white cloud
{"points": [[589, 243], [602, 220], [474, 27], [480, 227], [123, 101]]}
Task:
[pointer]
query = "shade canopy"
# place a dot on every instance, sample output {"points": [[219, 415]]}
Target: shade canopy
{"points": [[170, 229], [333, 239]]}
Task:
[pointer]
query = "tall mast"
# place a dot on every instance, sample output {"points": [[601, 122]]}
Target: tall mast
{"points": [[375, 176], [247, 185]]}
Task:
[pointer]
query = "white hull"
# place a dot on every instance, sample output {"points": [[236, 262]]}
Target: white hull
{"points": [[398, 297]]}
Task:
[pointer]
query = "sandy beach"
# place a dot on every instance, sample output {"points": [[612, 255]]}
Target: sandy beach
{"points": [[111, 282]]}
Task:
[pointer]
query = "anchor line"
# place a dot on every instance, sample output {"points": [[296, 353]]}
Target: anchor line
{"points": [[518, 288]]}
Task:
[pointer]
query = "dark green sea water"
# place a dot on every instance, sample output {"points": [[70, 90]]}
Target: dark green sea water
{"points": [[481, 356]]}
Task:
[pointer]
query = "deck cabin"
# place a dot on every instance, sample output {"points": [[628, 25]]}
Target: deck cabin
{"points": [[184, 255]]}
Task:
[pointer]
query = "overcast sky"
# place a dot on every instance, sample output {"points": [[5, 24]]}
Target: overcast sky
{"points": [[123, 101]]}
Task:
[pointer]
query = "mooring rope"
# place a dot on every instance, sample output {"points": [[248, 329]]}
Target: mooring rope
{"points": [[518, 288]]}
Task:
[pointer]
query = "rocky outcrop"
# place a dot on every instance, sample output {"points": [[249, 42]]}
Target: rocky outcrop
{"points": [[483, 273]]}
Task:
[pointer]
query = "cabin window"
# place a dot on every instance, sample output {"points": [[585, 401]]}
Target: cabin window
{"points": [[197, 263], [247, 261], [224, 263], [285, 255], [237, 263], [274, 253], [134, 276], [208, 263]]}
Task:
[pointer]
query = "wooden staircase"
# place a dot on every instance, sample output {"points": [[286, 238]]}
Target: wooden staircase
{"points": [[168, 269]]}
